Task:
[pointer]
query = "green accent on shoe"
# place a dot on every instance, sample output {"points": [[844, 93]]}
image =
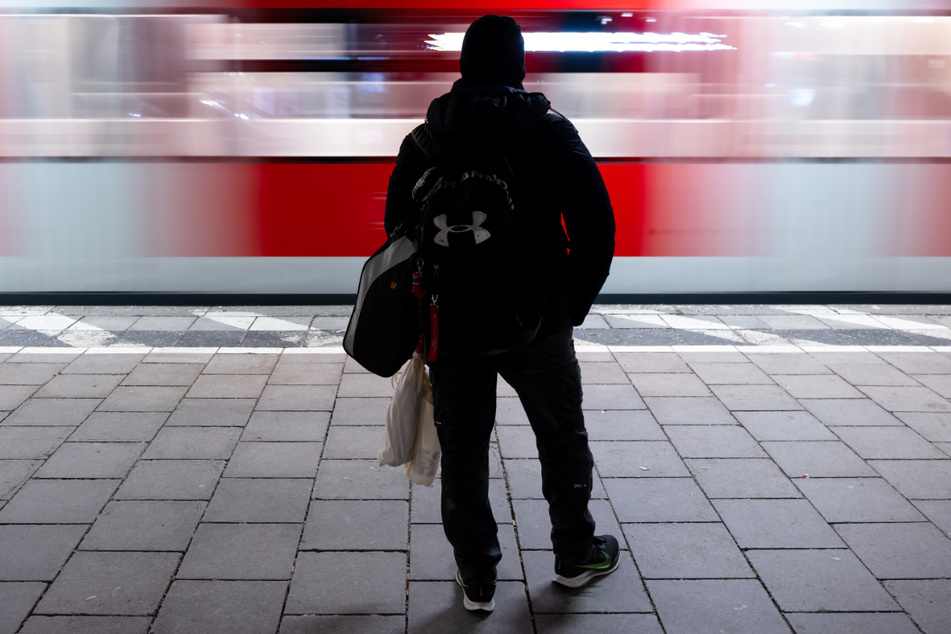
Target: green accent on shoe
{"points": [[604, 565]]}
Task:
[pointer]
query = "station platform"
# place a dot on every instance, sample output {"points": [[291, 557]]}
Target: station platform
{"points": [[213, 469]]}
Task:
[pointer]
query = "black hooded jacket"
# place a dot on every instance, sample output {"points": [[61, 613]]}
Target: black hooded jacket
{"points": [[555, 176]]}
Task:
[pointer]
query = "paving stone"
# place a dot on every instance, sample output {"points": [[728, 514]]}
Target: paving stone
{"points": [[147, 338], [741, 478], [938, 511], [437, 606], [79, 386], [534, 523], [168, 374], [359, 480], [311, 373], [636, 362], [622, 425], [13, 473], [716, 441], [425, 502], [354, 442], [228, 386], [274, 460], [888, 443], [696, 551], [917, 479], [57, 412], [820, 581], [940, 383], [360, 411], [878, 623], [602, 372], [669, 385], [690, 411], [180, 355], [570, 623], [907, 399], [926, 601], [611, 397], [297, 398], [797, 425], [818, 386], [143, 399], [754, 397], [87, 625], [830, 459], [260, 500], [900, 551], [349, 583], [339, 624], [28, 373], [731, 605], [91, 460], [17, 600], [221, 606], [776, 524], [214, 412], [119, 583], [31, 442], [287, 426], [241, 364], [787, 363], [88, 363], [58, 502], [918, 362], [171, 480], [159, 323], [647, 459], [731, 373], [365, 385], [658, 500], [193, 443], [119, 427], [849, 412], [241, 551], [431, 559], [872, 374], [35, 553], [12, 396], [356, 525], [933, 427], [509, 411], [517, 441], [621, 591], [858, 500], [144, 526]]}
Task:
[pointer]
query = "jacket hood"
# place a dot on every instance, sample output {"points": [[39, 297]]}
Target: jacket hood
{"points": [[484, 114]]}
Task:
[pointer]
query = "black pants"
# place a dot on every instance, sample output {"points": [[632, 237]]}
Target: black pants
{"points": [[547, 378]]}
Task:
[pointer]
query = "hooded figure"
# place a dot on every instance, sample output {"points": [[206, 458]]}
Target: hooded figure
{"points": [[561, 190]]}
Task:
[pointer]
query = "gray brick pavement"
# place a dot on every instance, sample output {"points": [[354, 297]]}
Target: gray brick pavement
{"points": [[181, 469]]}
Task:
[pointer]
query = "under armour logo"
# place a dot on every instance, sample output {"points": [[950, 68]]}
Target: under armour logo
{"points": [[478, 233]]}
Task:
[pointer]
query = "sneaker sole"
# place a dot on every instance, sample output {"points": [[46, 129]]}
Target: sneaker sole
{"points": [[472, 606], [582, 579]]}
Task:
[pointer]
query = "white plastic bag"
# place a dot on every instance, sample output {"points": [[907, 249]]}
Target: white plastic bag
{"points": [[402, 417], [422, 468]]}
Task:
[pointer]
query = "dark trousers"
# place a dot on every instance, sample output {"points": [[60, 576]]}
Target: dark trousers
{"points": [[547, 378]]}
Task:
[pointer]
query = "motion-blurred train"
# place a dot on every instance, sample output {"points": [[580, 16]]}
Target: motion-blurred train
{"points": [[211, 146]]}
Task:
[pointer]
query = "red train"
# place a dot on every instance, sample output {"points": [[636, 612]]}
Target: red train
{"points": [[243, 147]]}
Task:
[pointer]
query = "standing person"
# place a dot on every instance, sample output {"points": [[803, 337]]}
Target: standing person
{"points": [[559, 185]]}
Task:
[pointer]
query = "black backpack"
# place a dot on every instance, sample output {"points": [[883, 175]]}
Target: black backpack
{"points": [[479, 275]]}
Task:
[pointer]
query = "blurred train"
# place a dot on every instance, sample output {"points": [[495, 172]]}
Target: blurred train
{"points": [[209, 146]]}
